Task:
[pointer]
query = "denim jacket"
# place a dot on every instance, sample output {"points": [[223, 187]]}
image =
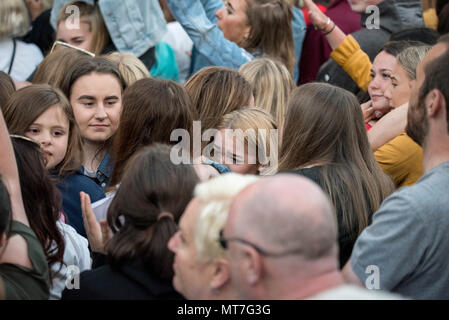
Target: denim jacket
{"points": [[134, 26], [71, 186], [211, 47]]}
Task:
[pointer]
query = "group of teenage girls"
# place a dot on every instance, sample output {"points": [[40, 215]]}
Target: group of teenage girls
{"points": [[90, 126]]}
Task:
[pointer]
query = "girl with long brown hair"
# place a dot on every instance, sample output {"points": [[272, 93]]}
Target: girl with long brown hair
{"points": [[23, 265], [324, 138], [152, 109], [62, 245], [94, 87], [43, 113], [40, 115]]}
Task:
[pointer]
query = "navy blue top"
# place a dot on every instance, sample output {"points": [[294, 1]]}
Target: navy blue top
{"points": [[71, 186]]}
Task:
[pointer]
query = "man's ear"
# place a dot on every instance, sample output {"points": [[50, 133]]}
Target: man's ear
{"points": [[434, 102], [253, 266], [221, 275]]}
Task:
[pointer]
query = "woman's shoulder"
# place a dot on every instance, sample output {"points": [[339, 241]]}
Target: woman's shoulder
{"points": [[313, 173], [78, 181], [134, 281], [16, 252], [24, 263]]}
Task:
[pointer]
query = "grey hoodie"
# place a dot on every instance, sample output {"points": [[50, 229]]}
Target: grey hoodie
{"points": [[395, 15]]}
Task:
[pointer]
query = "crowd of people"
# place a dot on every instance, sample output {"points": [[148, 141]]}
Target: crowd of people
{"points": [[209, 149]]}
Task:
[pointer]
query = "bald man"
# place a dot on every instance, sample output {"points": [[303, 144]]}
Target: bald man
{"points": [[281, 241]]}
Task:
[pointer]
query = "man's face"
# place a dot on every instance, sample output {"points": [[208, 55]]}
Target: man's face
{"points": [[417, 121], [360, 6], [190, 277]]}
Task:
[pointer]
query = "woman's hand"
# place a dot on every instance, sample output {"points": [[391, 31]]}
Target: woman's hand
{"points": [[368, 111], [320, 20], [389, 127], [98, 234]]}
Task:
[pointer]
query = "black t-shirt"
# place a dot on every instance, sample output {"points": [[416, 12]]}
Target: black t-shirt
{"points": [[41, 32], [346, 238]]}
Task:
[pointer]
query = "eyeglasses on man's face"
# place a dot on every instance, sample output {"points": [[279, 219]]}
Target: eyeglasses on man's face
{"points": [[65, 44], [223, 241]]}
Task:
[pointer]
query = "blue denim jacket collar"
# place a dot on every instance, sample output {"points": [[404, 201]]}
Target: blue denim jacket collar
{"points": [[104, 171]]}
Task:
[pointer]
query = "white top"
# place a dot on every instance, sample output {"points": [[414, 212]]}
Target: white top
{"points": [[181, 44], [351, 292], [101, 207], [27, 57], [76, 258]]}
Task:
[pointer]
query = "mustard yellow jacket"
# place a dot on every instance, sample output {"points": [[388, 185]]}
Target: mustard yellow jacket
{"points": [[354, 61]]}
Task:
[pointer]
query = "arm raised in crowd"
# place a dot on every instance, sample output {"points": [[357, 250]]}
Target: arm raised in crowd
{"points": [[205, 34], [211, 7], [346, 51]]}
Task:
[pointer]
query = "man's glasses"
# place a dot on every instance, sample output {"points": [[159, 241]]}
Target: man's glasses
{"points": [[64, 44], [224, 245]]}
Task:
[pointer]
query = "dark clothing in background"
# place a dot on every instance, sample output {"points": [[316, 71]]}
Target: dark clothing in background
{"points": [[41, 33], [316, 49], [129, 281], [346, 238]]}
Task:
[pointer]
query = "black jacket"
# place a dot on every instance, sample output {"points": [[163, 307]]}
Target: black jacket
{"points": [[130, 281]]}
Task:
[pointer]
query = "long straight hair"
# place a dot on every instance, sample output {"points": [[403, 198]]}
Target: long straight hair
{"points": [[216, 91], [7, 88], [55, 65], [272, 85], [152, 185], [151, 110], [271, 30], [41, 200], [324, 126]]}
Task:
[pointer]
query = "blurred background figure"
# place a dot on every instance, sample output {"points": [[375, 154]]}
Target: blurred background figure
{"points": [[17, 58]]}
